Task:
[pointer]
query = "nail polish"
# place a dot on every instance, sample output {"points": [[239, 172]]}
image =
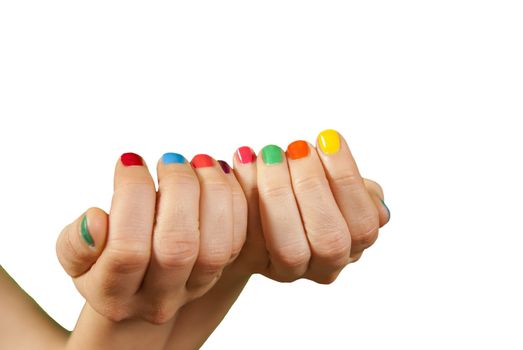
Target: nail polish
{"points": [[84, 231], [271, 154], [202, 161], [225, 167], [131, 159], [173, 158], [329, 141], [245, 155], [298, 149], [385, 205]]}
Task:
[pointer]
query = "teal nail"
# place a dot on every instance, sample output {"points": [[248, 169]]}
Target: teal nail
{"points": [[85, 232], [272, 154], [173, 158], [385, 205]]}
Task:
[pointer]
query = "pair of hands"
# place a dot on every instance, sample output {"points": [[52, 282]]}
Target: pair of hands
{"points": [[303, 213]]}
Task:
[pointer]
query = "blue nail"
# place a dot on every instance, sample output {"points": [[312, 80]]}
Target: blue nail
{"points": [[385, 205], [173, 158]]}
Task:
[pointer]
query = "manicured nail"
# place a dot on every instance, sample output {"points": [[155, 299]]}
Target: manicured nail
{"points": [[271, 154], [329, 141], [298, 149], [225, 167], [130, 159], [84, 231], [385, 205], [202, 161], [246, 155], [173, 158]]}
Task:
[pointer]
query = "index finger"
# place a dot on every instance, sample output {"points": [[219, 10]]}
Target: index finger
{"points": [[349, 190]]}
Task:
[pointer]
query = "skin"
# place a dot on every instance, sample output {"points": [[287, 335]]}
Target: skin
{"points": [[170, 259], [323, 177]]}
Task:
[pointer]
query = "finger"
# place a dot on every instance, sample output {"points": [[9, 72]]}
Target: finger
{"points": [[377, 195], [281, 221], [122, 265], [349, 190], [216, 222], [176, 234], [80, 243], [383, 210], [239, 211], [355, 257], [254, 256], [325, 227], [373, 186]]}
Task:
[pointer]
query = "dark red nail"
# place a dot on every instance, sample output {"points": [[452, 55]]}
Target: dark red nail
{"points": [[225, 167], [129, 159], [246, 155], [202, 161]]}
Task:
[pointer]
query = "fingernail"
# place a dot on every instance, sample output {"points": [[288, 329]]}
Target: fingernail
{"points": [[85, 232], [202, 161], [329, 141], [298, 149], [130, 159], [271, 154], [225, 167], [173, 158], [385, 205], [245, 155]]}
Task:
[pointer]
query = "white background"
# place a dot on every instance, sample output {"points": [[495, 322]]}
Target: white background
{"points": [[429, 95]]}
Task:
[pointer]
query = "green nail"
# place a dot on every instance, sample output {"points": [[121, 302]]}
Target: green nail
{"points": [[85, 232], [271, 154], [385, 205]]}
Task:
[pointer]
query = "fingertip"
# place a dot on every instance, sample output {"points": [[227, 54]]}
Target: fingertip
{"points": [[245, 155], [383, 209], [93, 228], [80, 243]]}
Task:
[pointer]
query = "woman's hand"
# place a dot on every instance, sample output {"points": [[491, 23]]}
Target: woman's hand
{"points": [[156, 251], [307, 219], [316, 212]]}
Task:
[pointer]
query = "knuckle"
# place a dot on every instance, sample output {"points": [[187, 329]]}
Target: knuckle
{"points": [[276, 191], [349, 181], [127, 258], [310, 184], [175, 252], [294, 258], [214, 261], [115, 312], [218, 187], [365, 232], [326, 279], [176, 179], [334, 246], [159, 314], [143, 189], [134, 226]]}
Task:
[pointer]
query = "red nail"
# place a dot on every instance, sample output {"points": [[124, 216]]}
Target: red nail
{"points": [[246, 155], [129, 159], [225, 167], [202, 161]]}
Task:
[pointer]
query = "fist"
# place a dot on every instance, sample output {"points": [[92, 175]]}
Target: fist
{"points": [[316, 212], [157, 249]]}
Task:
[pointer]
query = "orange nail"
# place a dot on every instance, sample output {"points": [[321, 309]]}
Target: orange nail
{"points": [[297, 150]]}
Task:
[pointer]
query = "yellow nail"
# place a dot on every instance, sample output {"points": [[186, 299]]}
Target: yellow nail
{"points": [[329, 141]]}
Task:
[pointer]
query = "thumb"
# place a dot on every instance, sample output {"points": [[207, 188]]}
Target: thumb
{"points": [[81, 242], [376, 193]]}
